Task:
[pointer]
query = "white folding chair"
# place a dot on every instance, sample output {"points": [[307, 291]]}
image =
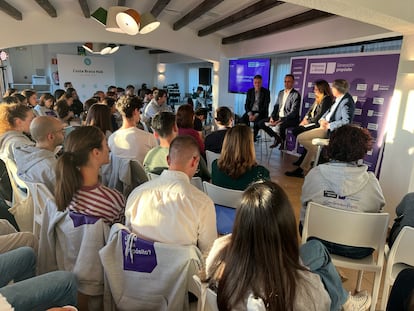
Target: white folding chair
{"points": [[320, 142], [22, 205], [40, 194], [401, 256], [207, 298], [225, 201], [351, 229], [211, 156]]}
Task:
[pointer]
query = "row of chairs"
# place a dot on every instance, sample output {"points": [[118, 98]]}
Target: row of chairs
{"points": [[354, 229]]}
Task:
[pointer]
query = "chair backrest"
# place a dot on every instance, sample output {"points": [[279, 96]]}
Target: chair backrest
{"points": [[345, 227], [207, 298], [223, 196], [211, 156], [145, 275], [123, 174], [401, 251], [40, 195]]}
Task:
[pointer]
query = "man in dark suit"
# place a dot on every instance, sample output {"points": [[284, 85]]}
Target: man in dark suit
{"points": [[257, 104], [285, 113]]}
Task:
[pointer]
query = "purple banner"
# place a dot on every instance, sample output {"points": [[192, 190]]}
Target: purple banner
{"points": [[372, 80], [141, 256]]}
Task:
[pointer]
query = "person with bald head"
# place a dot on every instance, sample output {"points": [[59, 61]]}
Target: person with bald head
{"points": [[36, 164], [169, 209]]}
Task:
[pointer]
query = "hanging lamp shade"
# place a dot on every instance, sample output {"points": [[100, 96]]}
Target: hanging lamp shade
{"points": [[129, 21], [148, 23], [111, 24], [88, 46], [100, 15]]}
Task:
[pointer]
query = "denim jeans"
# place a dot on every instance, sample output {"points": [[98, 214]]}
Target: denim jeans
{"points": [[54, 289], [17, 265], [316, 257]]}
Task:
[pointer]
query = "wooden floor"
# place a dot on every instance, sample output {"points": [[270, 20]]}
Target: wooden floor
{"points": [[278, 163]]}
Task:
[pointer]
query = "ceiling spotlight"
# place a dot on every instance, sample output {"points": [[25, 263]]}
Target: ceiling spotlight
{"points": [[148, 23], [129, 21]]}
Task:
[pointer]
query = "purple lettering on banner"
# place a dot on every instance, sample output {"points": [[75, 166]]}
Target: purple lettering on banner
{"points": [[372, 80], [81, 219], [141, 256]]}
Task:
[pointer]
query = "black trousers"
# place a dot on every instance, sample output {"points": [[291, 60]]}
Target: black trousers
{"points": [[401, 297], [245, 120], [282, 127]]}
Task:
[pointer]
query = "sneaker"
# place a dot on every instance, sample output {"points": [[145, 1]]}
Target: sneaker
{"points": [[357, 302]]}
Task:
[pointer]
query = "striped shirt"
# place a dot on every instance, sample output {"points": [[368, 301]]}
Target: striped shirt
{"points": [[99, 201]]}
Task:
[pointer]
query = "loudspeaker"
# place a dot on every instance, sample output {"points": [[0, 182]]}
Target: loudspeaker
{"points": [[204, 76]]}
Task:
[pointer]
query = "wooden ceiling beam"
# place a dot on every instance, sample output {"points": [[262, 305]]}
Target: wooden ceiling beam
{"points": [[284, 24], [159, 6], [10, 10], [85, 8], [201, 9], [254, 9], [48, 7], [121, 2]]}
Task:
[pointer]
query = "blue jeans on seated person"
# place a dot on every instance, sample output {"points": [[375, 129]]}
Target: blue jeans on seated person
{"points": [[316, 257], [54, 289]]}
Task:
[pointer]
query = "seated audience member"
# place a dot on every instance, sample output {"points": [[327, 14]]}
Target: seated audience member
{"points": [[67, 85], [11, 239], [116, 119], [45, 107], [77, 177], [88, 104], [76, 106], [236, 167], [224, 120], [262, 257], [30, 292], [63, 112], [344, 182], [323, 101], [15, 122], [36, 164], [185, 123], [129, 141], [169, 209], [100, 116], [157, 104], [340, 113], [405, 217], [148, 96], [10, 92], [402, 292], [130, 90], [165, 130], [31, 97], [58, 94], [200, 117], [99, 95], [12, 100]]}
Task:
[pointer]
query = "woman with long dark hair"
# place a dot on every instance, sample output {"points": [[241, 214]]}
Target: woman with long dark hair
{"points": [[77, 177], [260, 263]]}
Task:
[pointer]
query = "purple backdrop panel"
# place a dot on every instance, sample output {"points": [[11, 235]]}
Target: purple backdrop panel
{"points": [[143, 259], [372, 80], [290, 139]]}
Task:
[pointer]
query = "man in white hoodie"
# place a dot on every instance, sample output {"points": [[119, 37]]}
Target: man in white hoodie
{"points": [[36, 164]]}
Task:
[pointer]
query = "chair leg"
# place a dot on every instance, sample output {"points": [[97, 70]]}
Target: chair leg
{"points": [[375, 291], [385, 294], [359, 282], [318, 154]]}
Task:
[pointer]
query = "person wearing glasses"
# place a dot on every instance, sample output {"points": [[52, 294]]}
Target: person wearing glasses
{"points": [[36, 164]]}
